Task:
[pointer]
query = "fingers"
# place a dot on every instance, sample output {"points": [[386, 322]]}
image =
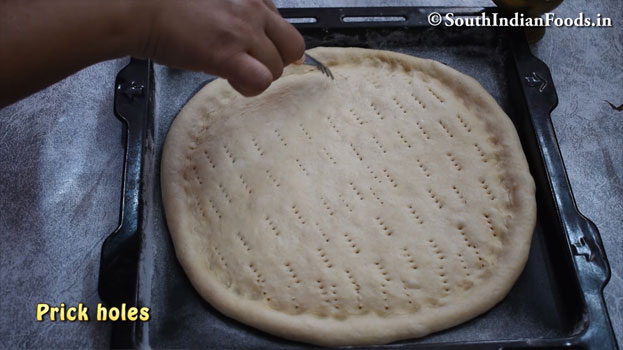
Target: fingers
{"points": [[285, 38], [247, 75], [258, 49], [264, 50]]}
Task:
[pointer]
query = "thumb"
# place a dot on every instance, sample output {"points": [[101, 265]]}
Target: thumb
{"points": [[247, 75]]}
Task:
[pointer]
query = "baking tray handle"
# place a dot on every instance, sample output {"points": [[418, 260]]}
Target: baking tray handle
{"points": [[121, 249], [542, 99], [373, 17], [582, 234]]}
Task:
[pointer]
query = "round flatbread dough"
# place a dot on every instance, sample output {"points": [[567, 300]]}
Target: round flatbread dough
{"points": [[389, 203]]}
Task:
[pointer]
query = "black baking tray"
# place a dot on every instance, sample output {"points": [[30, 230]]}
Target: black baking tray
{"points": [[557, 301]]}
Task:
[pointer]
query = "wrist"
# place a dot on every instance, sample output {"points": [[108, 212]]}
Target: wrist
{"points": [[132, 27], [140, 20]]}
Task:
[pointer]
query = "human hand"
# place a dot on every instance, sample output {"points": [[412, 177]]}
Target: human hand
{"points": [[246, 42]]}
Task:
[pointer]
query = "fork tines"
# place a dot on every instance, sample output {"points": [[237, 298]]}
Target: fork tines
{"points": [[321, 67]]}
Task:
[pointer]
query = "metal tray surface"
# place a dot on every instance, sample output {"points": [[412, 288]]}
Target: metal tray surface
{"points": [[557, 300]]}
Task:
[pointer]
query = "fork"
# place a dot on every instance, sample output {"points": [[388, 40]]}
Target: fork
{"points": [[308, 60]]}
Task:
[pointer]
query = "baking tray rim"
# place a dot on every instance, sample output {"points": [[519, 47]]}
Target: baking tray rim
{"points": [[586, 247]]}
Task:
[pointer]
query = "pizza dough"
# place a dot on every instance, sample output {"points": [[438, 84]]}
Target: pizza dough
{"points": [[389, 203]]}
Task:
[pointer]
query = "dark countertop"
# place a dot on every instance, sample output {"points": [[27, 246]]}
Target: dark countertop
{"points": [[61, 156]]}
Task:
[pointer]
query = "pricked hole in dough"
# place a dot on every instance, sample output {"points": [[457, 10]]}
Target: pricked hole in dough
{"points": [[323, 292], [419, 102], [329, 156], [218, 213], [336, 306], [406, 291], [485, 188], [435, 95], [426, 136], [379, 144], [482, 154], [445, 128], [324, 258], [469, 244], [326, 206], [219, 256], [258, 278], [385, 276], [199, 180], [400, 106], [423, 167], [359, 156], [354, 283], [373, 106], [376, 196], [229, 154], [350, 209], [463, 264], [224, 192], [207, 155], [452, 159], [390, 178], [298, 215], [356, 191], [357, 118], [458, 193], [350, 243], [333, 126], [383, 227], [490, 224], [257, 147], [322, 232], [293, 275], [272, 178], [281, 138], [441, 267], [404, 139], [305, 132], [374, 176], [410, 259], [246, 186], [243, 241], [301, 167], [435, 198], [272, 226], [463, 123]]}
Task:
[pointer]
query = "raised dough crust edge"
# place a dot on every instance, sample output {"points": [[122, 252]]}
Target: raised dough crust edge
{"points": [[368, 329]]}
